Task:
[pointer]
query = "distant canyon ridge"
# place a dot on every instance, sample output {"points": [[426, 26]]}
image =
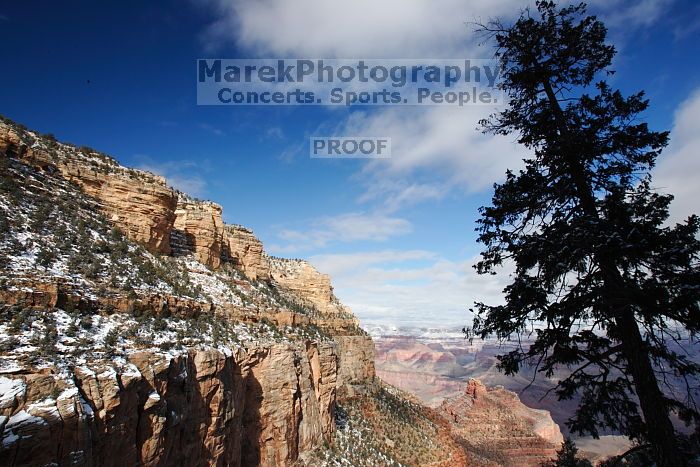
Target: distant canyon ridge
{"points": [[439, 365]]}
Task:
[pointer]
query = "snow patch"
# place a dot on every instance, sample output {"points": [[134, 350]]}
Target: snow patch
{"points": [[10, 390], [22, 419]]}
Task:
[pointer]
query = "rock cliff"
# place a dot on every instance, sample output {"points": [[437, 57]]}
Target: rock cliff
{"points": [[198, 357], [138, 202], [243, 248], [355, 363], [198, 230], [302, 279], [142, 205], [262, 406]]}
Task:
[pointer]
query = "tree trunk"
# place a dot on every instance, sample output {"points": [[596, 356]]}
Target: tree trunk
{"points": [[659, 429]]}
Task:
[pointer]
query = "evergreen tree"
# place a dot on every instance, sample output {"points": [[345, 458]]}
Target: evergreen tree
{"points": [[606, 286], [567, 456], [45, 256]]}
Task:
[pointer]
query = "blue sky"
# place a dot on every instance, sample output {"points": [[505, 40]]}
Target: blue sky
{"points": [[396, 235]]}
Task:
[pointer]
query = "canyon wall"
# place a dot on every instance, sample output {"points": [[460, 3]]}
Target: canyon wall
{"points": [[355, 364], [142, 205], [246, 252], [265, 404], [198, 230], [261, 406]]}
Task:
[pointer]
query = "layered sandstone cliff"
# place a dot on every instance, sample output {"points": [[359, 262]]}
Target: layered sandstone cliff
{"points": [[142, 205], [261, 406], [147, 382], [355, 363], [246, 252], [198, 230], [306, 282], [495, 424], [138, 202]]}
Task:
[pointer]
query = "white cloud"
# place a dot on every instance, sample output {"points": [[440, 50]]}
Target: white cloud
{"points": [[395, 194], [342, 228], [411, 287], [342, 29], [439, 141], [625, 14], [380, 28], [358, 226], [342, 264], [440, 144], [678, 167]]}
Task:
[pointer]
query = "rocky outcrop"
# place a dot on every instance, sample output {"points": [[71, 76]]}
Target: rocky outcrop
{"points": [[36, 293], [494, 423], [304, 281], [283, 409], [323, 360], [263, 406], [139, 203], [245, 251], [143, 211], [198, 230]]}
